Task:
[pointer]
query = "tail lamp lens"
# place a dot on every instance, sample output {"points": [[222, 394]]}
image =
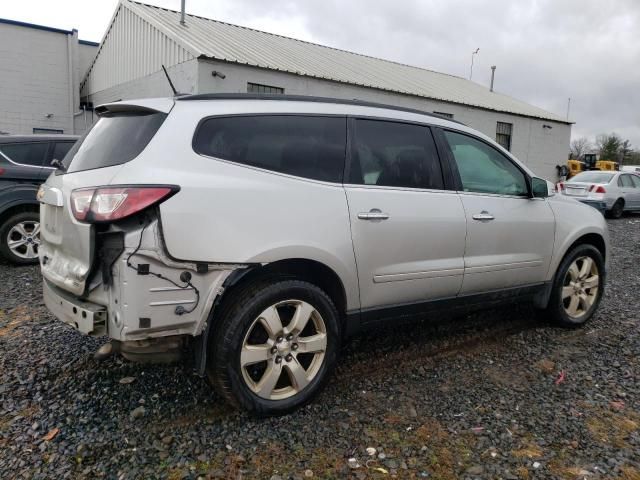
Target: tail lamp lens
{"points": [[600, 189], [108, 204], [561, 186]]}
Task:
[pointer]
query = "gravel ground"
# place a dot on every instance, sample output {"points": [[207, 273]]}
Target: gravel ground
{"points": [[492, 395]]}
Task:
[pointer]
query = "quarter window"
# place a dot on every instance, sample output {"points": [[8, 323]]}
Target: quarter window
{"points": [[305, 146], [503, 134], [394, 155], [636, 181], [26, 153], [484, 169]]}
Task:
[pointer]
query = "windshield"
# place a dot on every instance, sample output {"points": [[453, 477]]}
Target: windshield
{"points": [[113, 140], [592, 177]]}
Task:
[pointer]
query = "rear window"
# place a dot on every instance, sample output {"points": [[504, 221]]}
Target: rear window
{"points": [[592, 177], [113, 140], [305, 146]]}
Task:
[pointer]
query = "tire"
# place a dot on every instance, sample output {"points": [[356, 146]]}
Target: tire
{"points": [[242, 325], [617, 209], [23, 225], [559, 308]]}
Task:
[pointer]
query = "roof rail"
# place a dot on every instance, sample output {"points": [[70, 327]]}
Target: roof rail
{"points": [[306, 98]]}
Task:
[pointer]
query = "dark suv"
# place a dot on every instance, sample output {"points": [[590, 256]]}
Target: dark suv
{"points": [[25, 162]]}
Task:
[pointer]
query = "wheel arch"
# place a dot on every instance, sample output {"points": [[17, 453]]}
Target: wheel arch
{"points": [[308, 270], [594, 239], [17, 198], [304, 269], [590, 238], [9, 210]]}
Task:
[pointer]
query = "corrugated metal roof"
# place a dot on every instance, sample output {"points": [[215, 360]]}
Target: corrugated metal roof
{"points": [[203, 37]]}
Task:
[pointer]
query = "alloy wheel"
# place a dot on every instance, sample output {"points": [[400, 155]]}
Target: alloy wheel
{"points": [[23, 239], [580, 287], [283, 350]]}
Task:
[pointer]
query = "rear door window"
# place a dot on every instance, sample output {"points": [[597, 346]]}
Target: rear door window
{"points": [[114, 139], [32, 154], [305, 146], [394, 154]]}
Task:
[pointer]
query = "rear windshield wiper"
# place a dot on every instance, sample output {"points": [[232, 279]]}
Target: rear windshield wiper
{"points": [[58, 164]]}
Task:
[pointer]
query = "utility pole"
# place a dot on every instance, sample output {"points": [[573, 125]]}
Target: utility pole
{"points": [[493, 74], [472, 55], [568, 107]]}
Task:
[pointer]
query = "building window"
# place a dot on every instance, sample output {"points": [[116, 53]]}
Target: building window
{"points": [[257, 88], [47, 131], [443, 114], [503, 134]]}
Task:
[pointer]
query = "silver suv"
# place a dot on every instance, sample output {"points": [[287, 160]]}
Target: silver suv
{"points": [[256, 233]]}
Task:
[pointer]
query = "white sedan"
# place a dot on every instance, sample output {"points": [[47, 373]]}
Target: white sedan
{"points": [[618, 191]]}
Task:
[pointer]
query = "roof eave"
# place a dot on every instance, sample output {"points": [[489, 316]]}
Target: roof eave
{"points": [[365, 85]]}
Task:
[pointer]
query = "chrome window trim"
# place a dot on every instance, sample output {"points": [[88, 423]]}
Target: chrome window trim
{"points": [[20, 164], [266, 170]]}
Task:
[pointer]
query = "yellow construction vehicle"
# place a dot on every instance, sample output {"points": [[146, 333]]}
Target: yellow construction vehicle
{"points": [[575, 167], [608, 165], [589, 162]]}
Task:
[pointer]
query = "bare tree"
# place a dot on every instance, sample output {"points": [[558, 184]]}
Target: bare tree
{"points": [[579, 147]]}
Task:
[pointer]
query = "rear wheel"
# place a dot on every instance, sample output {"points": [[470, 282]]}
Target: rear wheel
{"points": [[274, 346], [20, 238], [617, 209], [577, 287]]}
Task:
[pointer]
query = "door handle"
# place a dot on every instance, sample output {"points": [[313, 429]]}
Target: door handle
{"points": [[483, 215], [373, 214]]}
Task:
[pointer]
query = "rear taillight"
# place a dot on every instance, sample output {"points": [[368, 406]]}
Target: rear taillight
{"points": [[599, 189], [561, 186], [108, 204]]}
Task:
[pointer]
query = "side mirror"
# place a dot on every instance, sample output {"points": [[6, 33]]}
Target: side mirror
{"points": [[539, 188]]}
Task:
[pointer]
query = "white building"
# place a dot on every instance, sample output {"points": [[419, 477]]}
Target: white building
{"points": [[40, 73], [205, 56]]}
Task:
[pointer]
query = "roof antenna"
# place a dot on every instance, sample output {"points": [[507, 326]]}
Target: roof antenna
{"points": [[175, 92]]}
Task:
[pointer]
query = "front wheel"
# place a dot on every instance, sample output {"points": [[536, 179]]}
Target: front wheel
{"points": [[577, 287], [274, 346]]}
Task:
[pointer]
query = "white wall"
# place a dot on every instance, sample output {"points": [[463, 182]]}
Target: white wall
{"points": [[540, 148], [183, 75], [40, 74], [132, 48], [34, 80]]}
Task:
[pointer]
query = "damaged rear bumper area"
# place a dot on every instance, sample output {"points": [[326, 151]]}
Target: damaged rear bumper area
{"points": [[137, 295], [89, 318]]}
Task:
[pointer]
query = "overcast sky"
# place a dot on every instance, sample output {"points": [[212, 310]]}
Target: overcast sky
{"points": [[546, 50]]}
